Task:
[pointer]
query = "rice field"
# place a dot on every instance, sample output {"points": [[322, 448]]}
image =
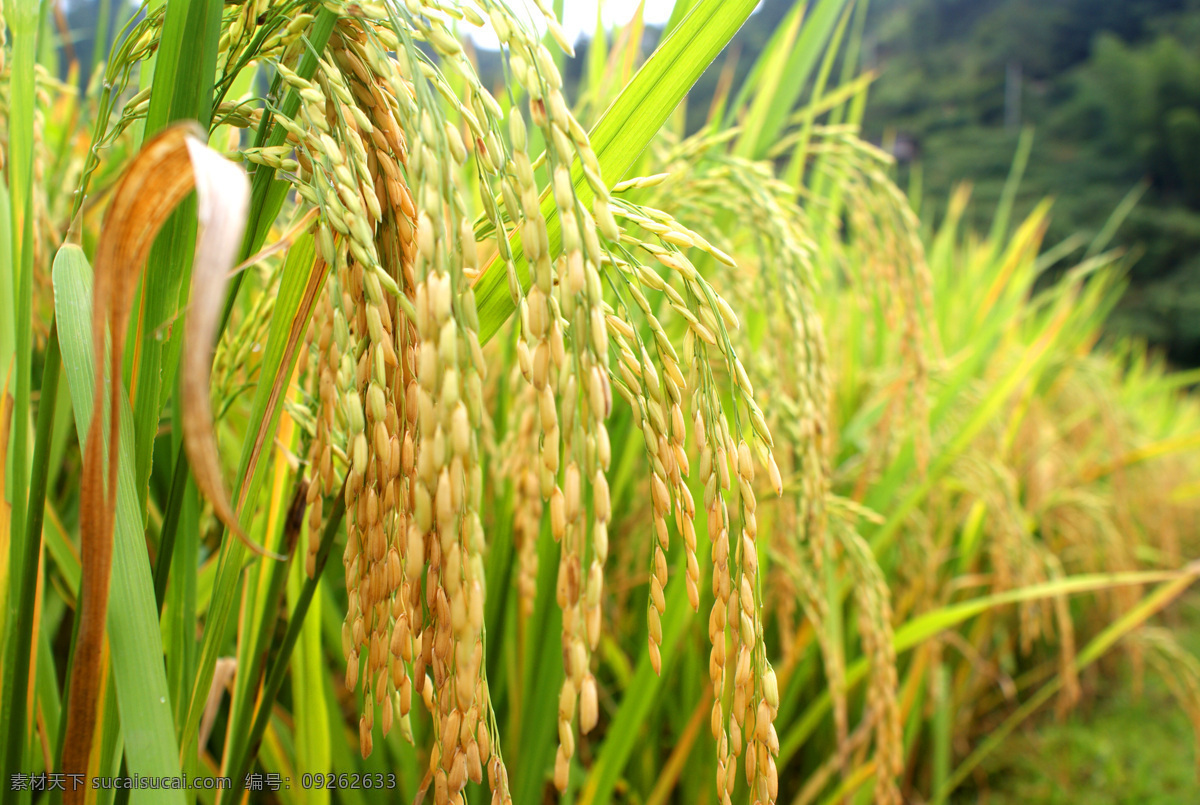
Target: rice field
{"points": [[372, 433]]}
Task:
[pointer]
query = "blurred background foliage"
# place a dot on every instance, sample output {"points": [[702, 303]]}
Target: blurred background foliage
{"points": [[1112, 89]]}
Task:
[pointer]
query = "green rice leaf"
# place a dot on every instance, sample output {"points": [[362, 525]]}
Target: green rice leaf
{"points": [[133, 632], [183, 77], [299, 285]]}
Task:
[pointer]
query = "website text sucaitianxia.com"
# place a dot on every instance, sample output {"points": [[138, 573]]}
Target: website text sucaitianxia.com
{"points": [[254, 781], [74, 782]]}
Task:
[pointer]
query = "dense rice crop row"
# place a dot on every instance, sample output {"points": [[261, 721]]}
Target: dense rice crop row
{"points": [[660, 467]]}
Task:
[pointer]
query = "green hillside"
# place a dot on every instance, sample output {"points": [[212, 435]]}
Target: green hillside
{"points": [[1112, 93]]}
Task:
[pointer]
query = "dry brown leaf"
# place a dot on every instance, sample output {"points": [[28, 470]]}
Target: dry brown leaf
{"points": [[222, 196], [169, 166]]}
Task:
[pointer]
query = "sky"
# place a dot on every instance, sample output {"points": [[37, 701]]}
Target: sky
{"points": [[579, 17]]}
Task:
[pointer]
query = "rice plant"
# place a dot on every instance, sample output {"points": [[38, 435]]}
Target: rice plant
{"points": [[317, 291]]}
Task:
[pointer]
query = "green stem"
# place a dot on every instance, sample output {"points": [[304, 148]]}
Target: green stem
{"points": [[26, 591], [279, 666], [166, 544], [277, 573]]}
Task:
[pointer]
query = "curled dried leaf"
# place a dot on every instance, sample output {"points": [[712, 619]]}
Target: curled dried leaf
{"points": [[156, 181], [170, 165], [222, 197]]}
